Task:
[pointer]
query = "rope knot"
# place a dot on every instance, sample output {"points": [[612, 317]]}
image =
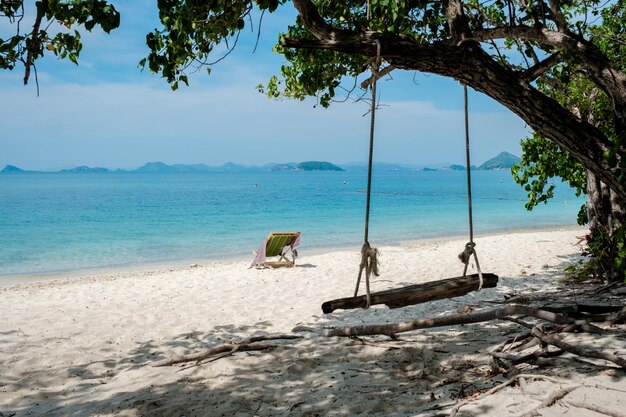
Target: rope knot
{"points": [[369, 260], [465, 256], [369, 264], [467, 252]]}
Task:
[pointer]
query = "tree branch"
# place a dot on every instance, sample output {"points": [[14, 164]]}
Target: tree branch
{"points": [[591, 60], [457, 23], [501, 386], [541, 67], [557, 14], [315, 24], [35, 40], [539, 34], [227, 349], [474, 67], [450, 320], [576, 350], [380, 75], [596, 408], [552, 398]]}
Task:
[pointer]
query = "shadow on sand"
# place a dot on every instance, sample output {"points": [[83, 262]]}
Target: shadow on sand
{"points": [[422, 373]]}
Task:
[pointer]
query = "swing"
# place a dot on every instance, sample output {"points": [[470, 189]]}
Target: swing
{"points": [[420, 293]]}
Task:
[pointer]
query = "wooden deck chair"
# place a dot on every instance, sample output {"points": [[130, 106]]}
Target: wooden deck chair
{"points": [[278, 244]]}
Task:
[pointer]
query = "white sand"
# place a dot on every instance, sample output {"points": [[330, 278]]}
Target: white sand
{"points": [[83, 346]]}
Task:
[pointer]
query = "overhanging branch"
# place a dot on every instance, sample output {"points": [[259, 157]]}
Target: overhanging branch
{"points": [[468, 63], [538, 69], [316, 24]]}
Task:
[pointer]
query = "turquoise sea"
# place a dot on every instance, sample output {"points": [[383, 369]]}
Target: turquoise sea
{"points": [[59, 222]]}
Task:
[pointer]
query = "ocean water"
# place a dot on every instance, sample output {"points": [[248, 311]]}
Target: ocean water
{"points": [[58, 222]]}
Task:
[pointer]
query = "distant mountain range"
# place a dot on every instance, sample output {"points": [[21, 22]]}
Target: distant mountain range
{"points": [[504, 160], [161, 167]]}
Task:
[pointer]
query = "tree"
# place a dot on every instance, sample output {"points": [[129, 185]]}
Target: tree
{"points": [[509, 50], [543, 159], [54, 29]]}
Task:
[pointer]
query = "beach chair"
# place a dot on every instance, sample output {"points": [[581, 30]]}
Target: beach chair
{"points": [[278, 244]]}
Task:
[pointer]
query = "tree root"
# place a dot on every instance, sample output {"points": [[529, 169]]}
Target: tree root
{"points": [[227, 349]]}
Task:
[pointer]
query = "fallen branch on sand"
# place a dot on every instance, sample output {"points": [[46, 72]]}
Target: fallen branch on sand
{"points": [[552, 398], [227, 349], [500, 387], [596, 408], [450, 320], [508, 312], [577, 350]]}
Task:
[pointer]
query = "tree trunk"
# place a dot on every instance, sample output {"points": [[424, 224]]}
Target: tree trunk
{"points": [[606, 216], [598, 205]]}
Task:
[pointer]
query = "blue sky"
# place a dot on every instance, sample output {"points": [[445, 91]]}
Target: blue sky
{"points": [[106, 112]]}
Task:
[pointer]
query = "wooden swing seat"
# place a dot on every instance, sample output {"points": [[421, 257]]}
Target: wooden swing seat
{"points": [[415, 294]]}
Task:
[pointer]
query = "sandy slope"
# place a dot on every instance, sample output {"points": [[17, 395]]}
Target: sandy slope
{"points": [[83, 346]]}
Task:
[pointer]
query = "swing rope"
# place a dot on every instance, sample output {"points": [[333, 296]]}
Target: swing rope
{"points": [[369, 255], [470, 247]]}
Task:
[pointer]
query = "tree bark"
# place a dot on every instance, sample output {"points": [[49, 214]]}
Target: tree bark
{"points": [[598, 205]]}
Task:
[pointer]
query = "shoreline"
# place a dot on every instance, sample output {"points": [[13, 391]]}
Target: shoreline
{"points": [[86, 346], [8, 281]]}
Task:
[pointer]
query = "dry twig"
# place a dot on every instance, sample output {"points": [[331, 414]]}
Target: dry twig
{"points": [[228, 349], [580, 351], [552, 398], [497, 388]]}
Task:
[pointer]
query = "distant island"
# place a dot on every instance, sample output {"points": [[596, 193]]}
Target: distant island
{"points": [[504, 160], [11, 169], [162, 167], [308, 166], [84, 168], [318, 166], [455, 167]]}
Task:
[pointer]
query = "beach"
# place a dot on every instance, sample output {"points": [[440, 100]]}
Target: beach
{"points": [[84, 346]]}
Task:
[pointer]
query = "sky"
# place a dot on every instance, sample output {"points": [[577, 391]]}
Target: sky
{"points": [[107, 112]]}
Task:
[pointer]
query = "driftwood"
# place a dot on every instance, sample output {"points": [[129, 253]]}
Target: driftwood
{"points": [[454, 319], [533, 356], [506, 312], [415, 294], [577, 350], [227, 349]]}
